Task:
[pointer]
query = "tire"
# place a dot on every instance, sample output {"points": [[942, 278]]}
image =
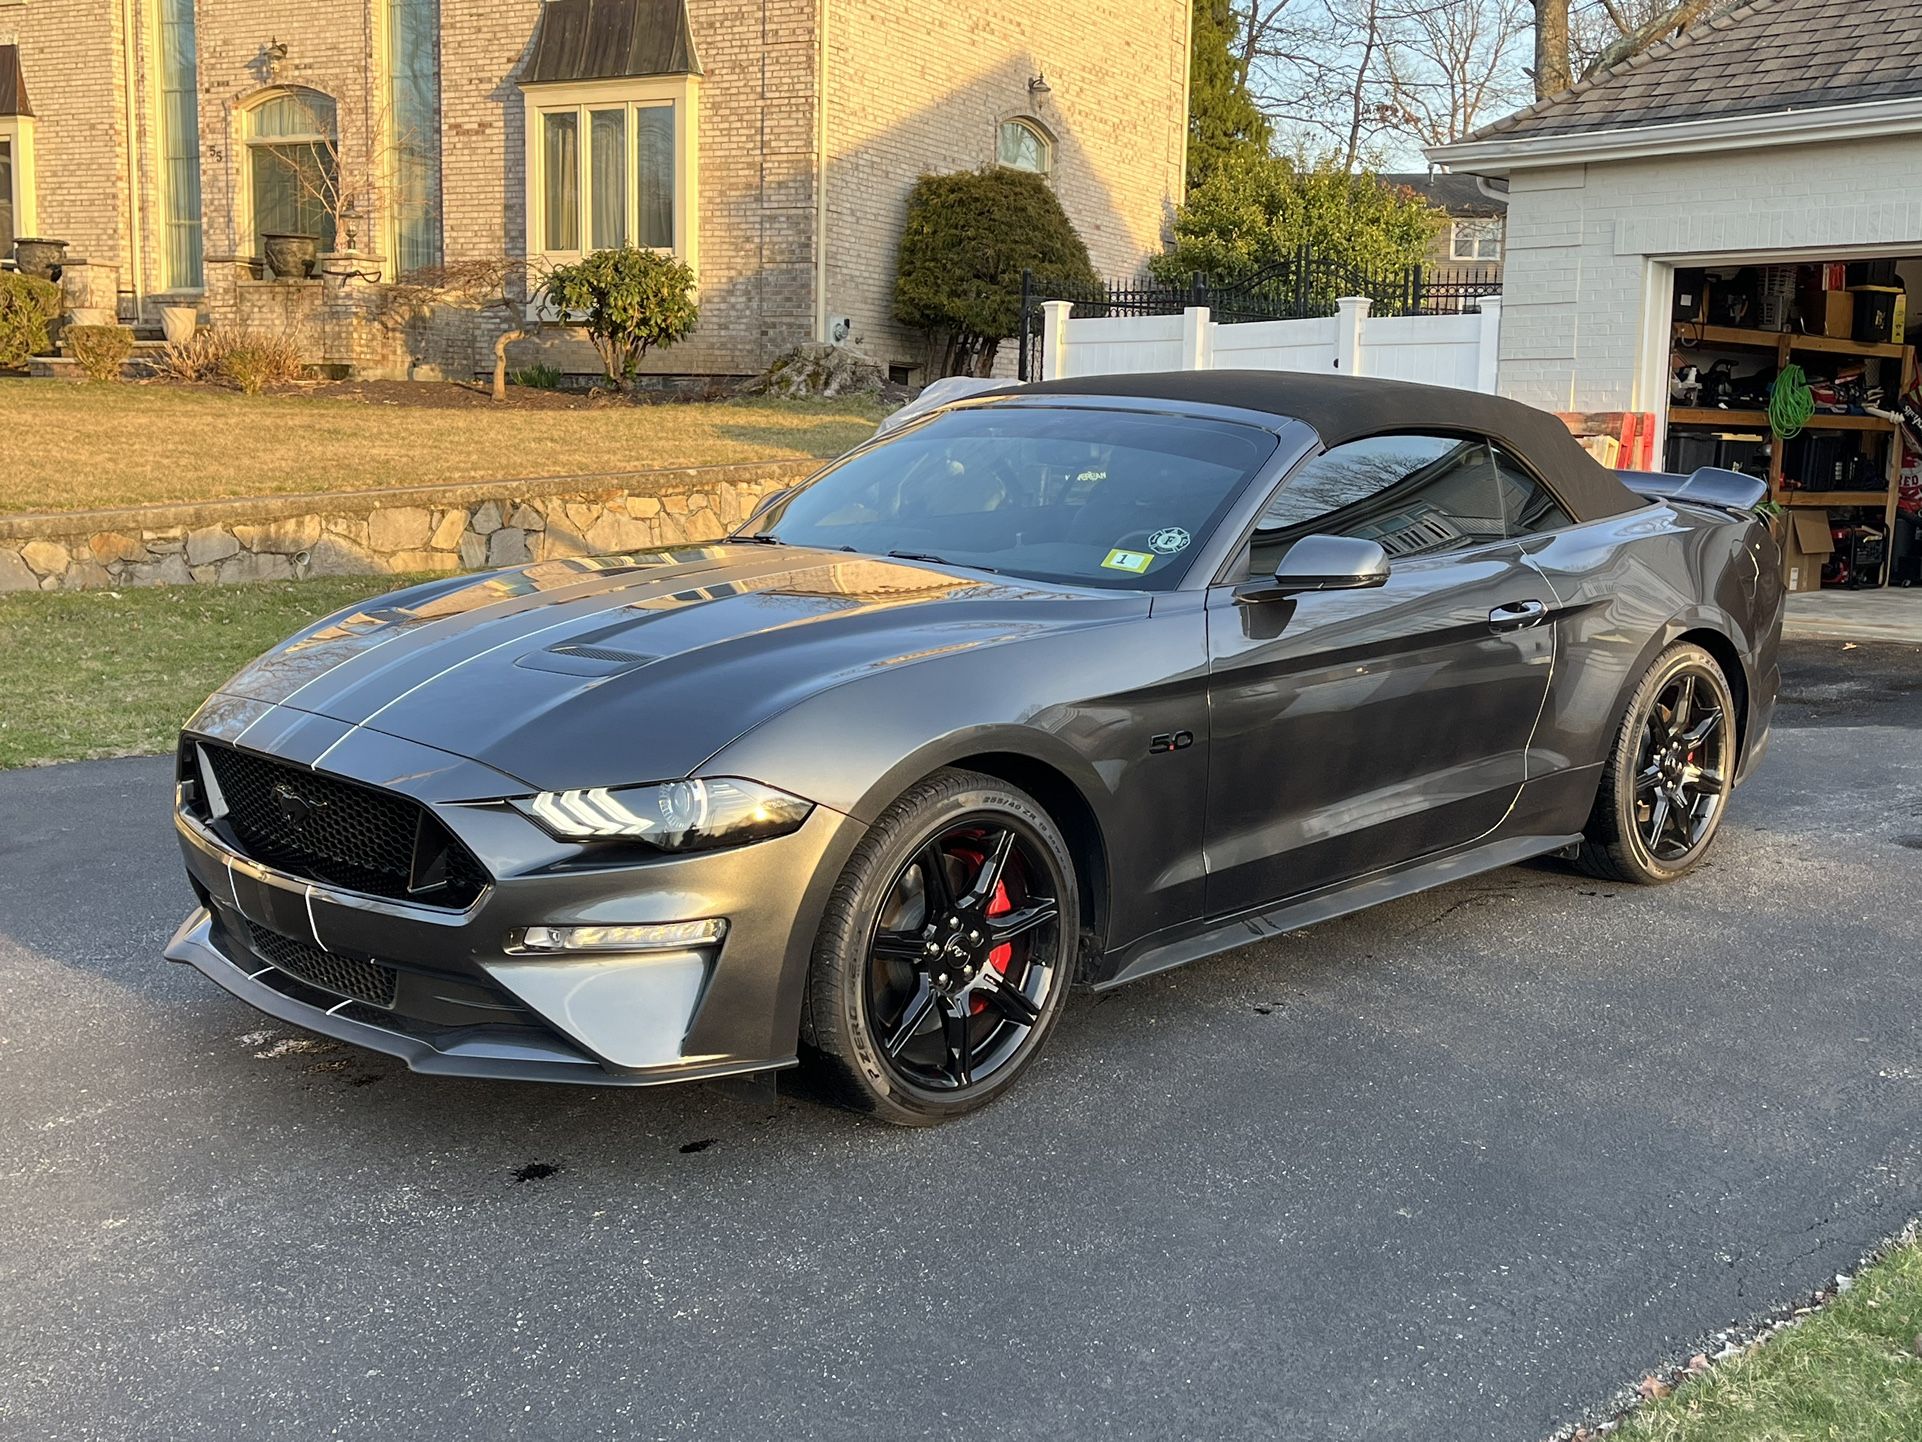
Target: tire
{"points": [[1666, 784], [933, 911]]}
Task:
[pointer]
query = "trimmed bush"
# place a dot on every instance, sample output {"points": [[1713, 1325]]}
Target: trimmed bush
{"points": [[630, 300], [968, 238], [28, 305], [99, 350], [256, 360]]}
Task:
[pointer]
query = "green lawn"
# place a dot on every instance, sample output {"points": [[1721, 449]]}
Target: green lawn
{"points": [[1849, 1373], [103, 673], [74, 447]]}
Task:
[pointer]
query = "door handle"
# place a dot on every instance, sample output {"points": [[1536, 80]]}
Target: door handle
{"points": [[1516, 615]]}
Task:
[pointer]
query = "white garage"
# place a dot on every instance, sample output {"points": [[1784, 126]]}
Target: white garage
{"points": [[1726, 234]]}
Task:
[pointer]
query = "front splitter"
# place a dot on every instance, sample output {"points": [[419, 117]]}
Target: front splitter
{"points": [[467, 1056]]}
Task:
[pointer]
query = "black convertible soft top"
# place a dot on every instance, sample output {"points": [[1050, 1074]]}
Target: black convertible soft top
{"points": [[1345, 408]]}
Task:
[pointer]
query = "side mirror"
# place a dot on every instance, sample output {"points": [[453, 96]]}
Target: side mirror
{"points": [[1321, 563]]}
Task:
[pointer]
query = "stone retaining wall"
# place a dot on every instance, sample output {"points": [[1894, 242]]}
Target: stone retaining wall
{"points": [[465, 526]]}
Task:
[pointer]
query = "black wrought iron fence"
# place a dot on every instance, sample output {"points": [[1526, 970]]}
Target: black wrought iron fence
{"points": [[1302, 287]]}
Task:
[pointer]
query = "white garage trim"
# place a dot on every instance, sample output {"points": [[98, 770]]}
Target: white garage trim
{"points": [[1499, 156]]}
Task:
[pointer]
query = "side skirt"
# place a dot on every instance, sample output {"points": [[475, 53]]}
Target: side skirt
{"points": [[1337, 901]]}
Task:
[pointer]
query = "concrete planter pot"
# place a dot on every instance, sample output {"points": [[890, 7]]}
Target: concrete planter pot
{"points": [[291, 257], [178, 322], [40, 258], [86, 286]]}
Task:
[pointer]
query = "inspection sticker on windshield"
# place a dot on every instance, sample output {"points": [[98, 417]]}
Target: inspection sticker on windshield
{"points": [[1136, 561]]}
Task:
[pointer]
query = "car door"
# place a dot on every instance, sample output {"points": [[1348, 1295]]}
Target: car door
{"points": [[1352, 730]]}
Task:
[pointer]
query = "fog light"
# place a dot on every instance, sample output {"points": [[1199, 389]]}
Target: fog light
{"points": [[654, 936]]}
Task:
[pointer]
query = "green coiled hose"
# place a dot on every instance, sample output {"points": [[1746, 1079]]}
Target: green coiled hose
{"points": [[1791, 402]]}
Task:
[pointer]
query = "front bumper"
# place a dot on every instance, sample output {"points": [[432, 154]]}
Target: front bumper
{"points": [[461, 1003]]}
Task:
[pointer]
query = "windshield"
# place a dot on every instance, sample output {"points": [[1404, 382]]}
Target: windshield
{"points": [[1098, 498]]}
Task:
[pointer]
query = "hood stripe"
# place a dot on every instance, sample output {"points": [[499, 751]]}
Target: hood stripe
{"points": [[592, 584]]}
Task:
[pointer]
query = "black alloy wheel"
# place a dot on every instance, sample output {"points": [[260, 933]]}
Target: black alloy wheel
{"points": [[1668, 778], [947, 952]]}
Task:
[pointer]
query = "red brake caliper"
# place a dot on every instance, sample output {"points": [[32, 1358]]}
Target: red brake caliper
{"points": [[998, 905]]}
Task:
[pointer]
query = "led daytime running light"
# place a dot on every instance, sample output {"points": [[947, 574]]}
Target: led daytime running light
{"points": [[652, 936]]}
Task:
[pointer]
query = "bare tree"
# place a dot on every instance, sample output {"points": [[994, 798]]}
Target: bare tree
{"points": [[1341, 76], [1454, 65], [1552, 72], [1317, 68], [1633, 26], [508, 286], [353, 184]]}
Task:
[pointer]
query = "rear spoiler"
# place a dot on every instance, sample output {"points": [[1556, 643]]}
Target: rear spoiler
{"points": [[1710, 486]]}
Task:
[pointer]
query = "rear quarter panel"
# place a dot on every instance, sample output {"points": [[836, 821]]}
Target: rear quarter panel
{"points": [[1625, 589]]}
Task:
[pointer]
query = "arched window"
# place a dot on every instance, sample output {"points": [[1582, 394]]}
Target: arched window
{"points": [[293, 166], [1023, 145]]}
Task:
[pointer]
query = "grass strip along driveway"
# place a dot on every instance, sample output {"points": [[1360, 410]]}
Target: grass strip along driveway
{"points": [[1851, 1372], [111, 673], [78, 447]]}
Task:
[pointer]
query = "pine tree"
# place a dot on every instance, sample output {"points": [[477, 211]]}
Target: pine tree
{"points": [[1223, 121]]}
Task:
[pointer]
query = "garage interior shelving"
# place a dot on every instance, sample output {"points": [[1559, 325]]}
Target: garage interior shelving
{"points": [[1889, 365]]}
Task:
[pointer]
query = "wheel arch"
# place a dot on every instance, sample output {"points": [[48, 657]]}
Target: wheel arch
{"points": [[1071, 811], [1701, 629], [1063, 782], [1729, 658]]}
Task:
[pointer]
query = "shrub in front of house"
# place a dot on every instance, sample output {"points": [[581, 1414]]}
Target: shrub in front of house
{"points": [[99, 350], [197, 358], [629, 301], [967, 239], [254, 360], [28, 306]]}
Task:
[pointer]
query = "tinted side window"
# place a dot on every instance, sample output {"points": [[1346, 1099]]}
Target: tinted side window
{"points": [[1527, 507], [1417, 495]]}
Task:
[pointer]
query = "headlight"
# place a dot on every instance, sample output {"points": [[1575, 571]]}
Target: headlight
{"points": [[673, 815], [644, 936]]}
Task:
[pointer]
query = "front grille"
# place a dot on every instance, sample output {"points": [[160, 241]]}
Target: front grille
{"points": [[325, 829], [345, 974]]}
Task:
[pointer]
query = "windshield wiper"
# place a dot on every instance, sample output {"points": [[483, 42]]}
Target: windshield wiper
{"points": [[763, 538], [941, 561]]}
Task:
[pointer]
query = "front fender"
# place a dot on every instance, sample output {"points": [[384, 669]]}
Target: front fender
{"points": [[1086, 705]]}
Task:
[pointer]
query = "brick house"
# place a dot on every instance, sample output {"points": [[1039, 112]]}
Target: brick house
{"points": [[770, 143]]}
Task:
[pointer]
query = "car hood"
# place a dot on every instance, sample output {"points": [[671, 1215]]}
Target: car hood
{"points": [[604, 671]]}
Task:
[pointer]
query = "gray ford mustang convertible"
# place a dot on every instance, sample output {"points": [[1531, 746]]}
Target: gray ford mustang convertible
{"points": [[1067, 682]]}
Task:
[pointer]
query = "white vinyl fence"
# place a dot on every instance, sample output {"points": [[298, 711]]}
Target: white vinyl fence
{"points": [[1442, 350]]}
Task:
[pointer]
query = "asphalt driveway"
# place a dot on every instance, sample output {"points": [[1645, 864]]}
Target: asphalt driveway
{"points": [[1456, 1168]]}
